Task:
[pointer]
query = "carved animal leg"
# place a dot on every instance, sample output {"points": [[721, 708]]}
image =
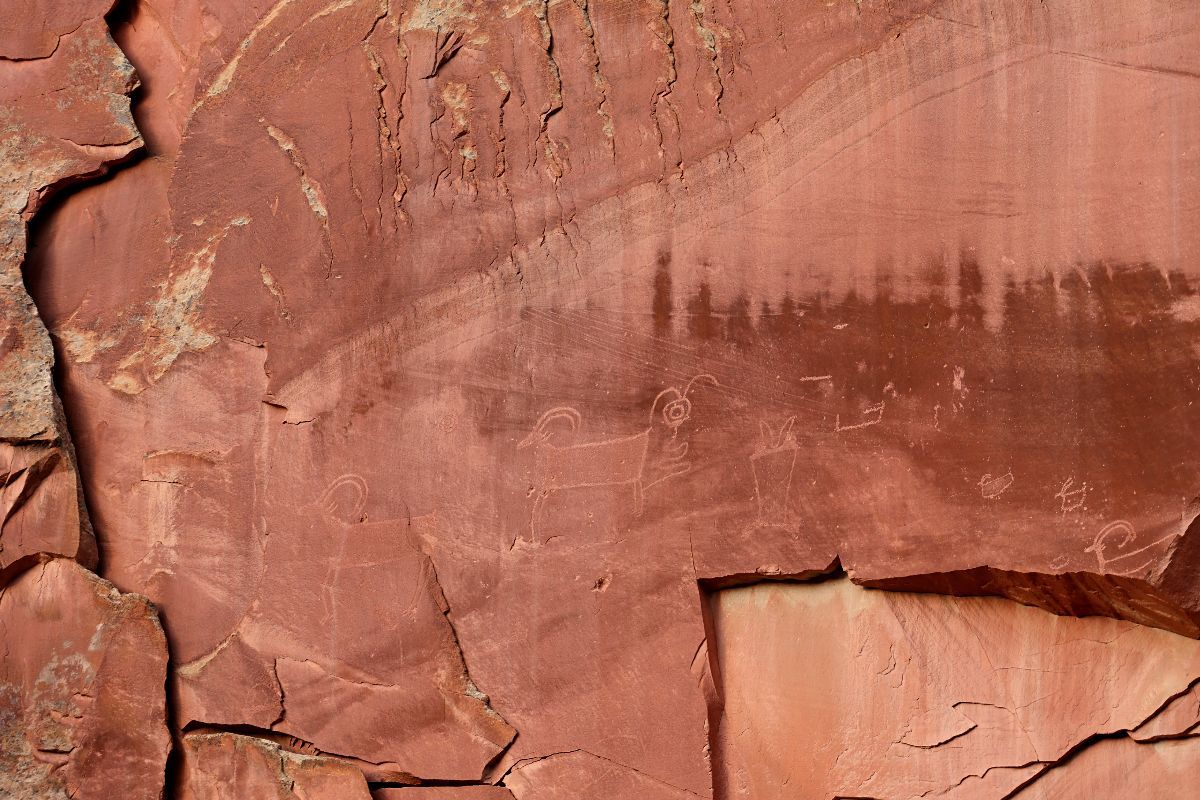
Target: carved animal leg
{"points": [[538, 501]]}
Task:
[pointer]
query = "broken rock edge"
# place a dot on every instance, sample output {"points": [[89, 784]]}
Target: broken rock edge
{"points": [[714, 701]]}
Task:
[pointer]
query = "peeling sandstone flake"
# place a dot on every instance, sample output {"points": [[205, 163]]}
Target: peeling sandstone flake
{"points": [[217, 766], [41, 506], [580, 775]]}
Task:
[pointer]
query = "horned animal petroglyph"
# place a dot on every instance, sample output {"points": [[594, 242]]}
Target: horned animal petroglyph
{"points": [[638, 460]]}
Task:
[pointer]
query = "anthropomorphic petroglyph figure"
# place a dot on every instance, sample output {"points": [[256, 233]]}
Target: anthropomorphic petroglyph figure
{"points": [[773, 463], [1072, 497], [638, 461]]}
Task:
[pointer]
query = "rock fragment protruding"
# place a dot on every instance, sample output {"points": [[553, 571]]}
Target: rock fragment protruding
{"points": [[223, 765], [64, 116], [82, 697]]}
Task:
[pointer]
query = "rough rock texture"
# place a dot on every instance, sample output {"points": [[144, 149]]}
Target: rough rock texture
{"points": [[83, 671], [373, 637], [216, 766], [82, 708], [64, 115], [830, 690], [440, 355]]}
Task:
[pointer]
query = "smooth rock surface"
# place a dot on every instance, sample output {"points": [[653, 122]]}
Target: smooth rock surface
{"points": [[1180, 717], [82, 703], [830, 690], [1163, 770]]}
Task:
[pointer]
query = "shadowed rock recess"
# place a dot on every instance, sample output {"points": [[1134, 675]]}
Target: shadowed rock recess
{"points": [[599, 399]]}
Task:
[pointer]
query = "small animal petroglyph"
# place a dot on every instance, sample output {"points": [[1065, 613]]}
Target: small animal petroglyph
{"points": [[1117, 552], [991, 488], [876, 410], [639, 460], [1072, 497]]}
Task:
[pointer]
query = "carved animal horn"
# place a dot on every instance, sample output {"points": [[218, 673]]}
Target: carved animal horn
{"points": [[1109, 531], [786, 428], [356, 483], [539, 434], [702, 376]]}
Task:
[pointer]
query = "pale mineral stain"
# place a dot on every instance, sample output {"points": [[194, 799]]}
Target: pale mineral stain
{"points": [[434, 15], [225, 77], [312, 190], [84, 345], [171, 321]]}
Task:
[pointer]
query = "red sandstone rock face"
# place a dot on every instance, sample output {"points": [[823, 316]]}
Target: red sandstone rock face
{"points": [[223, 765], [832, 691], [440, 355], [443, 793], [373, 637], [82, 709], [582, 775], [64, 114], [1160, 771], [83, 672]]}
